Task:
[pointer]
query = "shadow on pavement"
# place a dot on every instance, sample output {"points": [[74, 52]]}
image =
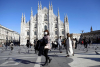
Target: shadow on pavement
{"points": [[56, 56], [58, 61], [25, 61], [95, 59]]}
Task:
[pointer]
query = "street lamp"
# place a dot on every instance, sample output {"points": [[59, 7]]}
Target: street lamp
{"points": [[82, 33]]}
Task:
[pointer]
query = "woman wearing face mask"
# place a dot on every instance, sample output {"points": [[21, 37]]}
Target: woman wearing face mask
{"points": [[46, 47]]}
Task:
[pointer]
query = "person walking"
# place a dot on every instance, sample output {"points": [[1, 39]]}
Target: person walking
{"points": [[69, 49], [75, 43], [12, 46], [65, 43], [46, 45], [6, 44], [85, 42], [35, 45], [28, 45], [59, 44], [3, 47], [52, 45]]}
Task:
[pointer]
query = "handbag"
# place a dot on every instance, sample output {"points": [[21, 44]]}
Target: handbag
{"points": [[46, 47]]}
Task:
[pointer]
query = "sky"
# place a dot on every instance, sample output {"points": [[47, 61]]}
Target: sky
{"points": [[82, 14]]}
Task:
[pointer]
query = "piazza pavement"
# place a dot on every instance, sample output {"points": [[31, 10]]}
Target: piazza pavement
{"points": [[23, 57]]}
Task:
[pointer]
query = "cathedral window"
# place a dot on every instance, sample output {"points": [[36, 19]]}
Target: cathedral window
{"points": [[35, 25], [35, 33], [45, 17], [45, 27], [55, 32], [55, 25], [62, 32], [28, 33]]}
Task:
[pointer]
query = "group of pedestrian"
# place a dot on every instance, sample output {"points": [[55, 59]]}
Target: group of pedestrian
{"points": [[5, 46], [86, 42], [67, 44], [43, 46]]}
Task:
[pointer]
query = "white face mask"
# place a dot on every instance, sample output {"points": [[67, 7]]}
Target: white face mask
{"points": [[45, 33]]}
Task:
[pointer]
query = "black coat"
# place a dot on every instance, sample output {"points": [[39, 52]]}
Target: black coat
{"points": [[42, 44]]}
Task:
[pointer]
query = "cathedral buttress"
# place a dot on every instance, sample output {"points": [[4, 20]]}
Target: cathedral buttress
{"points": [[31, 26], [58, 24], [39, 22], [66, 26]]}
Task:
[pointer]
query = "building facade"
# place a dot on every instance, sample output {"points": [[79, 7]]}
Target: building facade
{"points": [[74, 35], [7, 35], [45, 19], [92, 35]]}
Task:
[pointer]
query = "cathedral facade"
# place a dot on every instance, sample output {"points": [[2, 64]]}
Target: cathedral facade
{"points": [[45, 19]]}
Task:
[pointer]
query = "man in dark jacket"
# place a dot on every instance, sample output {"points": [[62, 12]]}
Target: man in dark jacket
{"points": [[27, 44], [85, 42], [76, 43]]}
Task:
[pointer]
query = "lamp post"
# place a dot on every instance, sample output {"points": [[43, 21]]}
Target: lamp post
{"points": [[82, 33]]}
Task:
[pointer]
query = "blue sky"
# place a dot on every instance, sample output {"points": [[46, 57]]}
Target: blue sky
{"points": [[82, 14]]}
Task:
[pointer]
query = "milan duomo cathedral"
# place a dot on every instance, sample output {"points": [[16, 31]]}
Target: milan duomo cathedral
{"points": [[45, 19]]}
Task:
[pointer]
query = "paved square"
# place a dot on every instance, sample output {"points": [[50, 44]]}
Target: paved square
{"points": [[81, 58]]}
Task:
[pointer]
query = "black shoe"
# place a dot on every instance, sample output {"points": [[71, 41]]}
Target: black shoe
{"points": [[50, 60], [45, 64]]}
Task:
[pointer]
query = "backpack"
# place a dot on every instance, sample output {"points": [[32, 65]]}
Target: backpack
{"points": [[37, 46]]}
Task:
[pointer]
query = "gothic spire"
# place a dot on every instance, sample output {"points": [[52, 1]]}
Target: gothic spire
{"points": [[49, 5], [38, 5], [31, 12], [22, 18], [66, 18], [58, 11]]}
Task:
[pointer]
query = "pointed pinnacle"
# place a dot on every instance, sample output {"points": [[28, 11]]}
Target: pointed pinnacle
{"points": [[24, 14], [51, 3], [38, 2]]}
